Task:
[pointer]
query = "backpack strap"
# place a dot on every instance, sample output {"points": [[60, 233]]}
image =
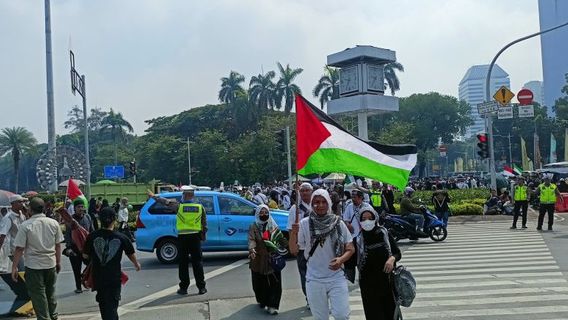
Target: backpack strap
{"points": [[313, 249]]}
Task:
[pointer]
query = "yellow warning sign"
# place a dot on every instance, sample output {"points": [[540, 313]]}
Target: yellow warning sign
{"points": [[503, 95]]}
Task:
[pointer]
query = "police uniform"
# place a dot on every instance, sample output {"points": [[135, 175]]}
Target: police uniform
{"points": [[521, 202], [377, 200], [191, 226], [547, 202]]}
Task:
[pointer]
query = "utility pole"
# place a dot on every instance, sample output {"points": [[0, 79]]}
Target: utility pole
{"points": [[488, 117], [289, 156], [51, 147], [188, 161], [510, 151]]}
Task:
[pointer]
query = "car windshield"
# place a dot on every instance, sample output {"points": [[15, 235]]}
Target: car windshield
{"points": [[205, 201]]}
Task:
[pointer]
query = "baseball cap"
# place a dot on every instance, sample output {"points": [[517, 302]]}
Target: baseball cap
{"points": [[17, 197], [187, 188]]}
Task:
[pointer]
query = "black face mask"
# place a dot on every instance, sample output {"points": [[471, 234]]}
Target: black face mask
{"points": [[263, 218]]}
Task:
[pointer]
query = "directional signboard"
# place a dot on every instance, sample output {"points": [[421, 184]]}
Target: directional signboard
{"points": [[505, 113], [113, 172], [487, 107], [503, 95], [526, 111]]}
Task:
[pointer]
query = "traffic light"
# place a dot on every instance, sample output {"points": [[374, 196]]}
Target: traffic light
{"points": [[483, 145], [281, 140], [133, 167]]}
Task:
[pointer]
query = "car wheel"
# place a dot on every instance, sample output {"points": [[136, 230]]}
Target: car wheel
{"points": [[167, 251]]}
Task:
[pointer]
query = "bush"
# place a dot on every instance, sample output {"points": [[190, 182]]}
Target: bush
{"points": [[457, 196], [466, 209]]}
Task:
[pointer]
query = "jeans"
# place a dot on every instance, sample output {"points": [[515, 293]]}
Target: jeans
{"points": [[108, 298], [190, 244], [443, 216], [544, 209], [302, 267], [415, 219], [322, 295], [520, 205], [41, 288]]}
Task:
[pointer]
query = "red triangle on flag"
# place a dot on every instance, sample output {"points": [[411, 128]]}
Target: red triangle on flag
{"points": [[310, 132], [73, 191]]}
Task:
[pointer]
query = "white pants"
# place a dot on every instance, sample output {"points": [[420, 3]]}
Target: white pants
{"points": [[321, 295]]}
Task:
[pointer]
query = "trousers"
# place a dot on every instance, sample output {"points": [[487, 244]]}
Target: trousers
{"points": [[108, 298], [267, 288], [544, 209], [41, 288], [190, 244], [520, 205], [76, 265], [323, 295], [416, 219]]}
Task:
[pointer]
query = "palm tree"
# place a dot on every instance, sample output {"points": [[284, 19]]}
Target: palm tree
{"points": [[328, 86], [391, 78], [285, 88], [230, 87], [117, 126], [16, 141], [262, 91]]}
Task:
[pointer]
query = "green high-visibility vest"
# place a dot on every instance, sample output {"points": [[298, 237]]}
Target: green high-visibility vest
{"points": [[547, 194], [376, 198], [521, 193], [188, 218]]}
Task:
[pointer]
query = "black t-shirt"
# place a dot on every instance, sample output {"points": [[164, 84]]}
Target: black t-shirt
{"points": [[105, 248]]}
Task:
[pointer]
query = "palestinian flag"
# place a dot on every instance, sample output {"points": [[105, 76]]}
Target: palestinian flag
{"points": [[509, 170], [322, 145], [73, 192], [517, 169]]}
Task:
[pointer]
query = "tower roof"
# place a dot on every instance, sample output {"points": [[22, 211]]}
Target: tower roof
{"points": [[480, 72]]}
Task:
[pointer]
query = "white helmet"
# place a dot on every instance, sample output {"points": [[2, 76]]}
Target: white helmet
{"points": [[408, 191]]}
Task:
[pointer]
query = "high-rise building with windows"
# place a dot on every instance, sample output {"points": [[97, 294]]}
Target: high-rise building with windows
{"points": [[537, 88], [472, 91], [554, 47]]}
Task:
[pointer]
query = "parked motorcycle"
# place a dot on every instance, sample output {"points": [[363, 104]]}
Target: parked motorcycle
{"points": [[434, 228]]}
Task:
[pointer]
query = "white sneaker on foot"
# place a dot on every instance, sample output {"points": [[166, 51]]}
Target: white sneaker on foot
{"points": [[272, 311]]}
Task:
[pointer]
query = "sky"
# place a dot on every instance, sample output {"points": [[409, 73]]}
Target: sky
{"points": [[153, 58]]}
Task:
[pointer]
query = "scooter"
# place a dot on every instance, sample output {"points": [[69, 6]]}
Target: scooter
{"points": [[434, 228]]}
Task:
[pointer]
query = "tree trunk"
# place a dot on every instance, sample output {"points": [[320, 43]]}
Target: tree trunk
{"points": [[16, 156]]}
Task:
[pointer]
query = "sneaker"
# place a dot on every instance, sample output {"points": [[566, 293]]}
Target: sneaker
{"points": [[182, 292], [272, 311], [202, 291], [513, 227], [79, 291], [524, 227]]}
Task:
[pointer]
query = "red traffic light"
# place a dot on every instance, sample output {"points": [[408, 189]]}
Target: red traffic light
{"points": [[482, 137]]}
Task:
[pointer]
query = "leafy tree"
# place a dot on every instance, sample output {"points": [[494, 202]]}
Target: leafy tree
{"points": [[231, 88], [16, 141], [75, 120], [286, 89], [391, 78], [328, 86], [117, 126], [397, 133], [262, 91]]}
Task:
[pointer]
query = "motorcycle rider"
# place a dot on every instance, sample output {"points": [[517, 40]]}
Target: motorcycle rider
{"points": [[410, 212]]}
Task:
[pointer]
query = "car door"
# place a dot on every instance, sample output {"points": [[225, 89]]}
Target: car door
{"points": [[208, 203], [235, 217]]}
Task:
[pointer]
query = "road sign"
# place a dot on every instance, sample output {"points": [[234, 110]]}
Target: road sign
{"points": [[443, 154], [487, 107], [525, 97], [505, 113], [503, 95], [114, 172], [526, 111], [442, 148]]}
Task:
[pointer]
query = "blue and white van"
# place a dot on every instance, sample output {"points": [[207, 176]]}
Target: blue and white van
{"points": [[229, 217]]}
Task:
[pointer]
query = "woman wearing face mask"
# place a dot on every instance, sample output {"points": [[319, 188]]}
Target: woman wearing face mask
{"points": [[378, 254], [266, 282]]}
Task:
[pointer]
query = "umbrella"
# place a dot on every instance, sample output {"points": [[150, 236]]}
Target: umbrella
{"points": [[300, 178], [335, 177], [5, 198], [66, 183], [105, 182], [30, 194]]}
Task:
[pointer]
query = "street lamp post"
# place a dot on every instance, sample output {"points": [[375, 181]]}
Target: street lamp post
{"points": [[188, 161], [488, 118], [51, 142]]}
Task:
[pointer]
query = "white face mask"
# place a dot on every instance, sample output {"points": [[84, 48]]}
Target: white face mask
{"points": [[368, 225]]}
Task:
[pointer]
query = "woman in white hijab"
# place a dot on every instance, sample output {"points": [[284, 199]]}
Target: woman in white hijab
{"points": [[266, 282], [328, 245]]}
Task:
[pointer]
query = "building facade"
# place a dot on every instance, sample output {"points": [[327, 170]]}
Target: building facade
{"points": [[554, 47], [537, 88], [472, 91]]}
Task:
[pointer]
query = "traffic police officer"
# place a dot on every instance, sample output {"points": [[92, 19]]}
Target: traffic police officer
{"points": [[547, 192], [376, 197], [191, 225], [521, 200]]}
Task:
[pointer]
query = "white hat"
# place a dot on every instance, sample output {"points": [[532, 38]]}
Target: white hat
{"points": [[187, 188], [17, 197]]}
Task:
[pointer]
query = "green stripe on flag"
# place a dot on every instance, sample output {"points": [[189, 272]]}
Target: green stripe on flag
{"points": [[343, 161]]}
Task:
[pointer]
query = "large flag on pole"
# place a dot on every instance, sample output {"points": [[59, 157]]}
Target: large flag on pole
{"points": [[73, 192], [322, 145], [524, 156], [553, 157]]}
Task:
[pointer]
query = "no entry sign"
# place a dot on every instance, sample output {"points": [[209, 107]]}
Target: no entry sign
{"points": [[525, 97]]}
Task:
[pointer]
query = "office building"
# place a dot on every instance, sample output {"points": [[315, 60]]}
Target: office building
{"points": [[537, 88], [554, 47], [472, 91]]}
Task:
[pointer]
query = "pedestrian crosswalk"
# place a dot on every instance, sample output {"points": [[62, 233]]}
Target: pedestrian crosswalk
{"points": [[483, 271]]}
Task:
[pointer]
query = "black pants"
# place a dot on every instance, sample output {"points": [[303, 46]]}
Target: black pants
{"points": [[95, 221], [190, 244], [267, 288], [302, 268], [108, 298], [546, 208], [76, 265], [377, 295], [524, 205]]}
